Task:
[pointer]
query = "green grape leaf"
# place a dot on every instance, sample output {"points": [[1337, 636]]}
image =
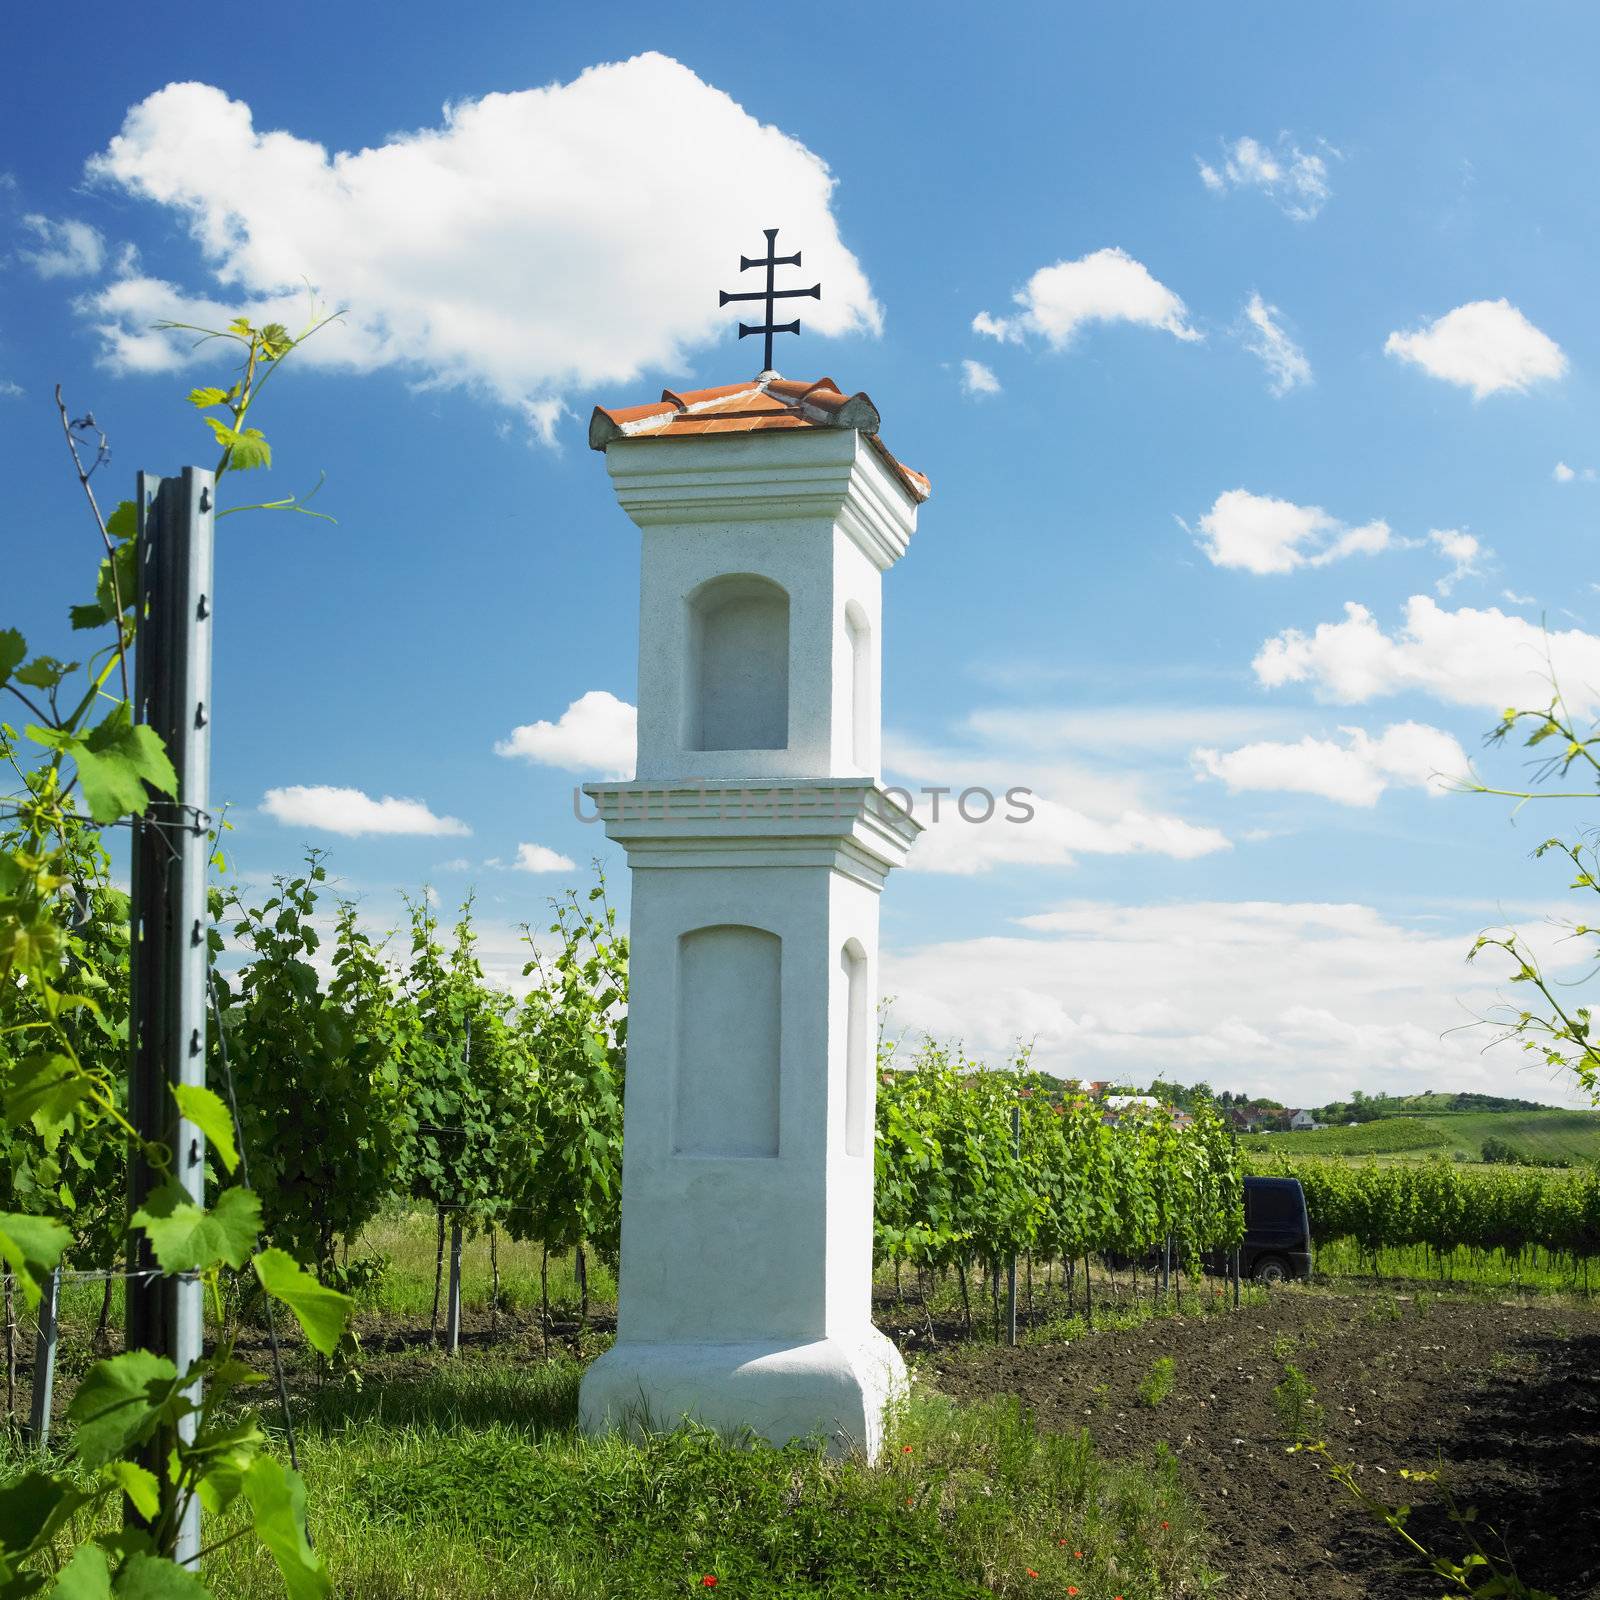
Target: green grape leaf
{"points": [[13, 651], [150, 1578], [91, 616], [44, 672], [205, 1109], [31, 1247], [188, 1238], [227, 1456], [119, 1403], [323, 1313], [123, 523], [115, 763], [87, 1576], [207, 397], [139, 1484], [278, 1506], [249, 447], [46, 1090], [33, 1507]]}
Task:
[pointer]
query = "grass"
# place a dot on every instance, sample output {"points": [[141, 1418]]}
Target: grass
{"points": [[1158, 1382], [472, 1482], [1489, 1270], [406, 1238], [466, 1478]]}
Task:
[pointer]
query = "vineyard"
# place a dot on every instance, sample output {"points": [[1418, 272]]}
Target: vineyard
{"points": [[1444, 1207], [977, 1165]]}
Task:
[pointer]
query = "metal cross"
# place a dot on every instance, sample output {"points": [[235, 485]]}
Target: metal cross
{"points": [[769, 294]]}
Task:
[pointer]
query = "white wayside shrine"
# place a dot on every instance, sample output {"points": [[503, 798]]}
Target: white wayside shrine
{"points": [[759, 841]]}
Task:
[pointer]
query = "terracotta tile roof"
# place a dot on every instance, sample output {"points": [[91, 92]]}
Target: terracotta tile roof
{"points": [[760, 406]]}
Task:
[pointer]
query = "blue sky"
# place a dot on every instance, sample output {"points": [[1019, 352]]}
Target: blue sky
{"points": [[1306, 323]]}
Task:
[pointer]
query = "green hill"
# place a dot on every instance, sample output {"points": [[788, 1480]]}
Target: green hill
{"points": [[1537, 1136], [1388, 1136]]}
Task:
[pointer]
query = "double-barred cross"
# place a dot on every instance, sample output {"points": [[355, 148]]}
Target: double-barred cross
{"points": [[772, 262]]}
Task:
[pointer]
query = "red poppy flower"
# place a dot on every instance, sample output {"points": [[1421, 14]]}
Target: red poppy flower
{"points": [[709, 1581], [1031, 1573], [1072, 1588], [905, 1449], [911, 1500], [1061, 1541], [1166, 1524]]}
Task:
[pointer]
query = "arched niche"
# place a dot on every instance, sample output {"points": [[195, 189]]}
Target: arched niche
{"points": [[858, 634], [858, 1062], [737, 667], [729, 1028]]}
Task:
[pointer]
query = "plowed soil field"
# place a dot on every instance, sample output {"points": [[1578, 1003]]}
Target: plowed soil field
{"points": [[1502, 1399]]}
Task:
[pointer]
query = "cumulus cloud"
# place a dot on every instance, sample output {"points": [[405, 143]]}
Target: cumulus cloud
{"points": [[597, 733], [1354, 773], [1462, 550], [1000, 803], [1041, 832], [1286, 364], [532, 242], [1565, 474], [1104, 286], [1258, 533], [1485, 346], [540, 858], [66, 249], [1232, 1003], [1481, 658], [1295, 180], [352, 812], [978, 379]]}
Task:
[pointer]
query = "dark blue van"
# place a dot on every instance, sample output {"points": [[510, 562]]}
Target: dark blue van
{"points": [[1277, 1231]]}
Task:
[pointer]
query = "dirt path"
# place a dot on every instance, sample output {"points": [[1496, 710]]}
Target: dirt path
{"points": [[1506, 1397]]}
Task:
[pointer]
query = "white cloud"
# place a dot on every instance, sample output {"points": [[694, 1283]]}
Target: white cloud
{"points": [[1105, 286], [1285, 361], [1462, 550], [1485, 346], [1295, 180], [1018, 762], [1258, 533], [1055, 835], [1354, 773], [353, 812], [1217, 989], [1563, 473], [540, 858], [67, 249], [596, 734], [978, 379], [9, 390], [532, 242], [1467, 657], [1516, 599]]}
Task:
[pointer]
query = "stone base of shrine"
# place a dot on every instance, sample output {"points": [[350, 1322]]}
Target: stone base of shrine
{"points": [[834, 1389]]}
